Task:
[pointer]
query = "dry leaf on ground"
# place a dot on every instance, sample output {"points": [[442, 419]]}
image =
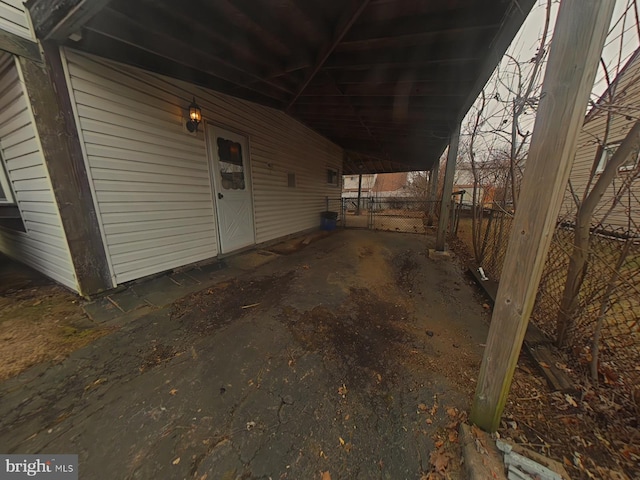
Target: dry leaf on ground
{"points": [[440, 460]]}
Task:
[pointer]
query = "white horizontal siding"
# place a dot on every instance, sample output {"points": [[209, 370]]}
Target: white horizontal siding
{"points": [[14, 18], [623, 114], [151, 180], [151, 177], [43, 246]]}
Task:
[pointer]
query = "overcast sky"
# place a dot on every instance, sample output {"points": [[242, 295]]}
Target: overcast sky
{"points": [[526, 42], [621, 42]]}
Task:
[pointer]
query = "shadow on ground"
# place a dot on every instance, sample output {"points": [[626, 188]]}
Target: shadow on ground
{"points": [[344, 357]]}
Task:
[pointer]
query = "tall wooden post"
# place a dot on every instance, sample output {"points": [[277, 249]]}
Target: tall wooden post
{"points": [[577, 44], [48, 94], [433, 190], [359, 193], [447, 189]]}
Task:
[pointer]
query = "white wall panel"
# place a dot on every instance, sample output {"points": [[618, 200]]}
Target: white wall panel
{"points": [[43, 246], [14, 18], [151, 177]]}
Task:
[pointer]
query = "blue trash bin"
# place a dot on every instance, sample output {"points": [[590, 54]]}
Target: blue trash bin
{"points": [[328, 220]]}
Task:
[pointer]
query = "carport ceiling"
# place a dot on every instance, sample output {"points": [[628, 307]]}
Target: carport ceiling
{"points": [[385, 79]]}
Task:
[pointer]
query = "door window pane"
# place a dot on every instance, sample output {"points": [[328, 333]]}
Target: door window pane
{"points": [[231, 164]]}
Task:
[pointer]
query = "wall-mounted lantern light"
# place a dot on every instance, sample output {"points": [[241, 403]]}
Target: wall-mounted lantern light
{"points": [[195, 116]]}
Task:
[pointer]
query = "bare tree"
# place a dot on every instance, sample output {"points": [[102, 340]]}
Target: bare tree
{"points": [[497, 138]]}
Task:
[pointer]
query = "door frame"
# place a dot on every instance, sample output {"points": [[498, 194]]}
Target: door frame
{"points": [[209, 127]]}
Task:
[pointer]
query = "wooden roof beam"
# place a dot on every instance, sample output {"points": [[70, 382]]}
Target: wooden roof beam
{"points": [[114, 49], [245, 14], [448, 21], [211, 29], [412, 40], [343, 26], [22, 47], [417, 89], [307, 18], [120, 27], [399, 74], [57, 19]]}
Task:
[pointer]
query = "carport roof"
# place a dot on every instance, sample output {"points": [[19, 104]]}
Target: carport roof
{"points": [[387, 80]]}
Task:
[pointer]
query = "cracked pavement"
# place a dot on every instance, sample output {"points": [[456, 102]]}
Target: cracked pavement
{"points": [[313, 362]]}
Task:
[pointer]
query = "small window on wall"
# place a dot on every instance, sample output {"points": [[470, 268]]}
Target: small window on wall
{"points": [[5, 190], [231, 164], [607, 152], [291, 180], [332, 176], [9, 213]]}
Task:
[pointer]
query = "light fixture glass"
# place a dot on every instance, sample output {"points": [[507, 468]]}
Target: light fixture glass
{"points": [[195, 116]]}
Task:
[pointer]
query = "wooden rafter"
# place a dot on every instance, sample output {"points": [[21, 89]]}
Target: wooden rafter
{"points": [[115, 25], [399, 72], [343, 27], [57, 19]]}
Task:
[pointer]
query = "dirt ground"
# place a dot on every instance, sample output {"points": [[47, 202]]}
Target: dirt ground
{"points": [[353, 358], [39, 320]]}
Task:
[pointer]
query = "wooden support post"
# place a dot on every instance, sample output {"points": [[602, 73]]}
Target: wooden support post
{"points": [[359, 193], [447, 189], [577, 44], [16, 45], [54, 121], [433, 191]]}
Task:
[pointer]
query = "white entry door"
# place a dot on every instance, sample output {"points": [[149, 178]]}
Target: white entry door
{"points": [[229, 156]]}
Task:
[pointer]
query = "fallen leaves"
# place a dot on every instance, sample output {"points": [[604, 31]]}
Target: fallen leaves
{"points": [[452, 412], [176, 461], [326, 475], [342, 390], [570, 400], [346, 445], [439, 459]]}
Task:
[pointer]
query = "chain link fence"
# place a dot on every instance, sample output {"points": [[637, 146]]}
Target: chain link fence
{"points": [[608, 311], [408, 215], [608, 302], [392, 214], [494, 229]]}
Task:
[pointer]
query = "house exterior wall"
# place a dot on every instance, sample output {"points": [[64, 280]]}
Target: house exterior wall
{"points": [[151, 179], [623, 116], [43, 246], [15, 19], [350, 185]]}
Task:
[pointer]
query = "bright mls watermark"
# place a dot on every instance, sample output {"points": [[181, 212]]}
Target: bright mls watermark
{"points": [[49, 467]]}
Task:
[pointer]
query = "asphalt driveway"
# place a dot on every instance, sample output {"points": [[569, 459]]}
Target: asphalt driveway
{"points": [[350, 356]]}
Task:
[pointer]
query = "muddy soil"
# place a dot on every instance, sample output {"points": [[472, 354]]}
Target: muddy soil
{"points": [[40, 321]]}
